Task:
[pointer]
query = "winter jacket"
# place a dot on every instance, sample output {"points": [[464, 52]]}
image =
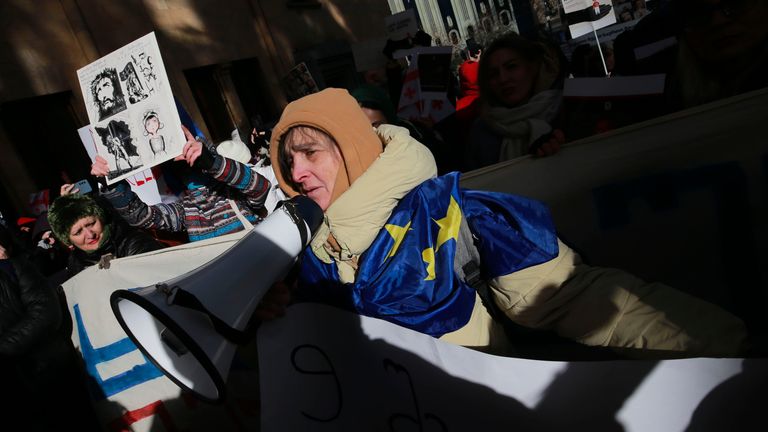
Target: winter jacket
{"points": [[123, 241], [205, 211], [30, 319]]}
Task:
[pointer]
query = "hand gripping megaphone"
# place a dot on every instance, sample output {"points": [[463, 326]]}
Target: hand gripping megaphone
{"points": [[190, 326]]}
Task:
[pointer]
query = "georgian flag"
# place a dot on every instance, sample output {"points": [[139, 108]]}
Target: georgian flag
{"points": [[415, 103]]}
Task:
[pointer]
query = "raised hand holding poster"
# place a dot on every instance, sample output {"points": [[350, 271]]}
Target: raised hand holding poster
{"points": [[131, 109]]}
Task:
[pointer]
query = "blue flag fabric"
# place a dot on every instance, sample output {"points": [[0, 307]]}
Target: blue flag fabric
{"points": [[407, 274], [187, 121]]}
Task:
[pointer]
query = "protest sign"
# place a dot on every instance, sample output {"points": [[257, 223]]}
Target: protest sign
{"points": [[129, 392], [131, 109], [299, 82], [401, 25], [586, 16], [143, 183], [425, 86], [39, 201]]}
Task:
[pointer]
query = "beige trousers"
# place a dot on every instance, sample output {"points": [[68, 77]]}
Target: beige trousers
{"points": [[604, 307]]}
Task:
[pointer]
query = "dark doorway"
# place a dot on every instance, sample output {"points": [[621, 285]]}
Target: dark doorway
{"points": [[43, 131], [8, 212], [251, 87], [228, 92]]}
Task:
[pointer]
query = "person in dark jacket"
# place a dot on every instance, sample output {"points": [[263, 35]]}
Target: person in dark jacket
{"points": [[83, 224], [39, 370], [520, 81]]}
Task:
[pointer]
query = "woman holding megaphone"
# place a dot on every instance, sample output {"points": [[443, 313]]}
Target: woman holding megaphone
{"points": [[479, 269]]}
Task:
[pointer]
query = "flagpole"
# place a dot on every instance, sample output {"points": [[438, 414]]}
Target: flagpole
{"points": [[599, 49]]}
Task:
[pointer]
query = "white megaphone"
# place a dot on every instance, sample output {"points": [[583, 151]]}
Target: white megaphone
{"points": [[190, 326]]}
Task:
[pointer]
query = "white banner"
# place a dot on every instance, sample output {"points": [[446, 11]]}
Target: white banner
{"points": [[131, 394], [323, 369]]}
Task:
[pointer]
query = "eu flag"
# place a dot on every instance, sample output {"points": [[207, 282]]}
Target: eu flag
{"points": [[407, 274]]}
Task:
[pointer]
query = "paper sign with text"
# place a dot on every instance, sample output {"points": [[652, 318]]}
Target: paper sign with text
{"points": [[402, 25], [586, 16]]}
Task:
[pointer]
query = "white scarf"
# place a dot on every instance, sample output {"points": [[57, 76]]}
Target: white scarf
{"points": [[522, 125], [357, 216]]}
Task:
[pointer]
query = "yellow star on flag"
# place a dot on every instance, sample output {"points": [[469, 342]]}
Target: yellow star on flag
{"points": [[398, 234], [449, 225], [428, 256]]}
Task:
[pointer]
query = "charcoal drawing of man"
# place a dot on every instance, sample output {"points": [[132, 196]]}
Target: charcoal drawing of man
{"points": [[107, 94]]}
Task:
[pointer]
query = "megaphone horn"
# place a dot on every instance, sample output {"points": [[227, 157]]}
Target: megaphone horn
{"points": [[189, 326]]}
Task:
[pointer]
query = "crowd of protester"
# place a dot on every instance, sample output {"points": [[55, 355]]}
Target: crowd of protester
{"points": [[509, 103]]}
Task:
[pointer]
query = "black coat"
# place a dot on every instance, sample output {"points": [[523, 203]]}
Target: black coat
{"points": [[30, 320], [40, 371], [123, 241]]}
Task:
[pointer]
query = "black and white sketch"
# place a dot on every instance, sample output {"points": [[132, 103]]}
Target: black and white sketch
{"points": [[116, 137], [133, 85], [107, 93], [147, 131], [144, 63], [152, 125]]}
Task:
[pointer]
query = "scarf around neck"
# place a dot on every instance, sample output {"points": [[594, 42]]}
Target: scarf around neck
{"points": [[355, 218], [520, 126]]}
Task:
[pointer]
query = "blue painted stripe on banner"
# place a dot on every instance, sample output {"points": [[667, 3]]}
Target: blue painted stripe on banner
{"points": [[139, 374]]}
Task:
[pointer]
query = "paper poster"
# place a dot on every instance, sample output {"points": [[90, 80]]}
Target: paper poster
{"points": [[401, 25], [586, 16], [142, 183], [39, 201], [131, 109], [298, 82], [424, 93], [620, 86]]}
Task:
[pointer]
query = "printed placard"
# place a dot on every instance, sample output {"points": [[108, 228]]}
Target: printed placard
{"points": [[130, 106], [401, 25], [586, 16]]}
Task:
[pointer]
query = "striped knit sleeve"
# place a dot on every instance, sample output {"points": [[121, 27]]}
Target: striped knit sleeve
{"points": [[167, 217], [240, 176]]}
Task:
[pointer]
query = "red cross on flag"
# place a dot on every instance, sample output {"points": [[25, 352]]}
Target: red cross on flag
{"points": [[424, 93]]}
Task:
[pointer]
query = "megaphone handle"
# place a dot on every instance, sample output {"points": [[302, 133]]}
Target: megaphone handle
{"points": [[189, 301], [293, 213]]}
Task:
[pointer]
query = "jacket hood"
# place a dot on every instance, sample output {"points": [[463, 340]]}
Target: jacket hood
{"points": [[374, 97], [338, 114]]}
